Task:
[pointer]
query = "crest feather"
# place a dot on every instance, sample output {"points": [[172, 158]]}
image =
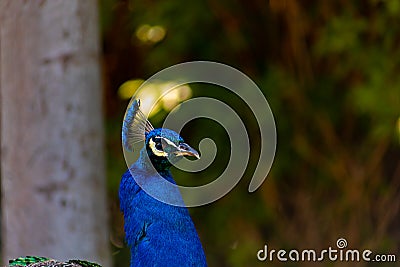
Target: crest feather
{"points": [[135, 126]]}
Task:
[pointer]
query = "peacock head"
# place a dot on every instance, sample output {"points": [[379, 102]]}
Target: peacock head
{"points": [[165, 146]]}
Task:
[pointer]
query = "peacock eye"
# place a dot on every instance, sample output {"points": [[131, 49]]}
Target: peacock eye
{"points": [[158, 144]]}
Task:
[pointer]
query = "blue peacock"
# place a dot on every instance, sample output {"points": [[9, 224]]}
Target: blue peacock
{"points": [[157, 233]]}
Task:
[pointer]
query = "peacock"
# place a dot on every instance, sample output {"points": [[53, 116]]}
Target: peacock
{"points": [[158, 234]]}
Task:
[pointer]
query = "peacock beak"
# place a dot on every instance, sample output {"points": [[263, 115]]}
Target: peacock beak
{"points": [[185, 150]]}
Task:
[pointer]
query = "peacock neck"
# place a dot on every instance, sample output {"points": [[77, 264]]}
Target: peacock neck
{"points": [[153, 165], [141, 210]]}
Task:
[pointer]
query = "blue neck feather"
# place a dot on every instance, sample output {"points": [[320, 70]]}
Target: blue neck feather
{"points": [[157, 233]]}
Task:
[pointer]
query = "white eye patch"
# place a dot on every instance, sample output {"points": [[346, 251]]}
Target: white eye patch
{"points": [[158, 152], [169, 142]]}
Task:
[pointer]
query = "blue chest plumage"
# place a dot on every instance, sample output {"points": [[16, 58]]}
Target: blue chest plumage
{"points": [[158, 234]]}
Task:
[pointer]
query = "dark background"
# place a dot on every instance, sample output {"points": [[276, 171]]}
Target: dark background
{"points": [[330, 72]]}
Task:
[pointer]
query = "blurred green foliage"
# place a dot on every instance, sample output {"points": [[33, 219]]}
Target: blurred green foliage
{"points": [[330, 71]]}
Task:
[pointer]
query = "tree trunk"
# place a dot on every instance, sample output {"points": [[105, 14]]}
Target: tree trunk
{"points": [[52, 164]]}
